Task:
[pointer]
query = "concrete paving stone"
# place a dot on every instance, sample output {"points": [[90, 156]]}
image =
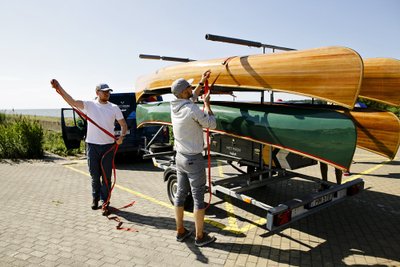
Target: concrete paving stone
{"points": [[109, 260], [251, 264], [22, 256], [122, 257], [66, 254], [155, 263], [47, 264], [163, 249], [180, 253], [25, 250], [122, 263], [242, 259], [233, 256], [230, 263], [52, 251], [140, 261], [252, 259], [35, 260], [6, 260], [93, 262], [51, 257], [19, 262]]}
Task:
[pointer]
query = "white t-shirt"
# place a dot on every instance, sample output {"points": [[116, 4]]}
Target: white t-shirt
{"points": [[104, 115]]}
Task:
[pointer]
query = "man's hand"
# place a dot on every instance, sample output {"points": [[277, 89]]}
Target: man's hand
{"points": [[205, 76], [72, 102], [119, 140], [56, 85]]}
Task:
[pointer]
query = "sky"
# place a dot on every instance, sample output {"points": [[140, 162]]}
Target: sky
{"points": [[85, 42]]}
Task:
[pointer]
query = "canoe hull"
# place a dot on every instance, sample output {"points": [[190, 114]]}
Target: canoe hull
{"points": [[333, 74], [381, 80], [321, 134], [377, 131]]}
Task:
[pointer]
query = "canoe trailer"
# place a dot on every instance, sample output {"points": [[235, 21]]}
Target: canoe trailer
{"points": [[261, 172], [248, 154]]}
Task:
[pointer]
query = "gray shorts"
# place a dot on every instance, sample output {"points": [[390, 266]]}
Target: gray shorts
{"points": [[191, 175]]}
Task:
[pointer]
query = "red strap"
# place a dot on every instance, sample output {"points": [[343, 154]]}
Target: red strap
{"points": [[120, 223], [206, 89], [92, 121]]}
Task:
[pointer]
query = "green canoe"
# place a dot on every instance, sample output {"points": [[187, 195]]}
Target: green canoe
{"points": [[321, 134]]}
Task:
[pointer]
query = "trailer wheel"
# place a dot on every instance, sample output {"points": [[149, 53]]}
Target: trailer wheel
{"points": [[172, 187]]}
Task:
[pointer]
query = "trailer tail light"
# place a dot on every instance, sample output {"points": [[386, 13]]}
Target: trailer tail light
{"points": [[354, 189], [283, 217]]}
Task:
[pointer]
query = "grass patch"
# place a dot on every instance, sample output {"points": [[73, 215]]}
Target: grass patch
{"points": [[54, 143]]}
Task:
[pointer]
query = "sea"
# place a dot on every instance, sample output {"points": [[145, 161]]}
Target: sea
{"points": [[34, 112]]}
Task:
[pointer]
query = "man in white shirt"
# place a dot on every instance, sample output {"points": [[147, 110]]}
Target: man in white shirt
{"points": [[104, 113], [188, 122]]}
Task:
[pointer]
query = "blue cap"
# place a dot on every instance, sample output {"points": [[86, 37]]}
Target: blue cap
{"points": [[103, 87]]}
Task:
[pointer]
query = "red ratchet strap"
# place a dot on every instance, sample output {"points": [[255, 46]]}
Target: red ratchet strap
{"points": [[206, 89], [118, 220], [224, 63]]}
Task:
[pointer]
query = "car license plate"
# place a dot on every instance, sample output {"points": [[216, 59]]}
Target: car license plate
{"points": [[319, 201]]}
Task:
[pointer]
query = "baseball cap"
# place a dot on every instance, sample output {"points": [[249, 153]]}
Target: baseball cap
{"points": [[179, 85], [103, 87]]}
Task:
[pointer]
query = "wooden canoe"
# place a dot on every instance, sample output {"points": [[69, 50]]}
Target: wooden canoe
{"points": [[333, 74], [322, 134], [377, 131], [381, 80]]}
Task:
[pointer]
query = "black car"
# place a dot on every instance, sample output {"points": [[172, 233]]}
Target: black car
{"points": [[136, 139]]}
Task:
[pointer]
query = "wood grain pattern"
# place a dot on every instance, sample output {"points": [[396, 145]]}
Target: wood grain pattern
{"points": [[333, 74], [377, 131], [381, 80]]}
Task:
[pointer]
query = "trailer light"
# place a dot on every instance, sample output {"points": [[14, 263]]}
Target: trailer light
{"points": [[247, 200], [354, 189], [283, 218]]}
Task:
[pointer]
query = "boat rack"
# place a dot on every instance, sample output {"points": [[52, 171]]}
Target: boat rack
{"points": [[257, 175]]}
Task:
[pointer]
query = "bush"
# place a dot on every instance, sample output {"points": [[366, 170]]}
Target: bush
{"points": [[55, 144], [20, 138], [2, 118]]}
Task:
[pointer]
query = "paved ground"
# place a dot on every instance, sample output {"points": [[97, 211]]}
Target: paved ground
{"points": [[46, 220]]}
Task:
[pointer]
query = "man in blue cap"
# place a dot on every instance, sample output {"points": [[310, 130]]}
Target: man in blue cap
{"points": [[104, 113]]}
